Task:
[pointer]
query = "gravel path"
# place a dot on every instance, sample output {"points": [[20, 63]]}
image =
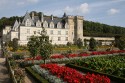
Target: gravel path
{"points": [[29, 79], [4, 76]]}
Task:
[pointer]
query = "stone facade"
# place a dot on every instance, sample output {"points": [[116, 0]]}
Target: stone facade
{"points": [[59, 30]]}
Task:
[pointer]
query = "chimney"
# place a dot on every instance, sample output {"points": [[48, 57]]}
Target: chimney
{"points": [[32, 15], [42, 17], [51, 17]]}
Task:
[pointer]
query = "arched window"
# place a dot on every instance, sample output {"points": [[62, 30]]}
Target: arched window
{"points": [[38, 24], [45, 24], [59, 25], [51, 25], [28, 22]]}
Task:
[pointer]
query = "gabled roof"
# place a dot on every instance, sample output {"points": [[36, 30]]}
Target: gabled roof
{"points": [[36, 18], [16, 24], [55, 20], [27, 16]]}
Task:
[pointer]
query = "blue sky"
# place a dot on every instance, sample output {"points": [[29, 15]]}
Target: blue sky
{"points": [[110, 12]]}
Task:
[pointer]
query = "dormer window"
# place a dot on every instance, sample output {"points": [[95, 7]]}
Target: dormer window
{"points": [[59, 25], [38, 24], [66, 25], [45, 24], [51, 25], [28, 22]]}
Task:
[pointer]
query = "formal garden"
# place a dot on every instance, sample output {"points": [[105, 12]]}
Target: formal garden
{"points": [[71, 63]]}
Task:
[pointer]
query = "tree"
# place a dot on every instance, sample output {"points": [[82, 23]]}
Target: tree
{"points": [[33, 46], [79, 43], [15, 44], [121, 43], [69, 43], [10, 43], [46, 47], [92, 44], [85, 42]]}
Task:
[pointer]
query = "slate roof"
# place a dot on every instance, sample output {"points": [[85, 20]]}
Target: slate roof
{"points": [[36, 18], [16, 24], [46, 18], [27, 16]]}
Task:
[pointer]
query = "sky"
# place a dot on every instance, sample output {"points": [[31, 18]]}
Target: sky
{"points": [[109, 12]]}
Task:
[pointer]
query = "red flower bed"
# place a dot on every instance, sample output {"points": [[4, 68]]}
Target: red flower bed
{"points": [[57, 56], [83, 54], [107, 52], [38, 58], [72, 55], [72, 76]]}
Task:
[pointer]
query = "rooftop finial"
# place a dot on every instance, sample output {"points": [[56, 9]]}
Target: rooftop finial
{"points": [[52, 17], [32, 15], [64, 14], [42, 17]]}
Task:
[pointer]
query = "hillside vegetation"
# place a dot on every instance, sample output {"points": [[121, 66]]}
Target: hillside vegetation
{"points": [[101, 30], [89, 28]]}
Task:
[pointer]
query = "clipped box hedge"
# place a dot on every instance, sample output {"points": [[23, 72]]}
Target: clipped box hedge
{"points": [[35, 75]]}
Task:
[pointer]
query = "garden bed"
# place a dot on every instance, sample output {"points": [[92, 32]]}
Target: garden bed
{"points": [[111, 66], [35, 75], [55, 73]]}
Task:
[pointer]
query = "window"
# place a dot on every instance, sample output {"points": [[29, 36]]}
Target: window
{"points": [[66, 38], [59, 32], [59, 39], [28, 30], [38, 24], [51, 32], [66, 32], [34, 32], [51, 25], [51, 39], [16, 34], [28, 23], [38, 31], [59, 25], [28, 37], [66, 25], [45, 24]]}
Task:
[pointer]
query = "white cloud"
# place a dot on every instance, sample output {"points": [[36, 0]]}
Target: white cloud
{"points": [[113, 11], [68, 9], [32, 1], [20, 3], [82, 9]]}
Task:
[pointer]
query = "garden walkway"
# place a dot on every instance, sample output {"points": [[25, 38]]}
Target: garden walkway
{"points": [[4, 76], [29, 79]]}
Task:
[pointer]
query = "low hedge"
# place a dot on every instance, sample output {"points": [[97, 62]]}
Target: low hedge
{"points": [[84, 69], [12, 78], [35, 75]]}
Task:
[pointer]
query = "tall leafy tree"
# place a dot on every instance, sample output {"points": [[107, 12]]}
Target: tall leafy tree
{"points": [[121, 43], [85, 42], [33, 45], [15, 44], [92, 44], [79, 43], [46, 47]]}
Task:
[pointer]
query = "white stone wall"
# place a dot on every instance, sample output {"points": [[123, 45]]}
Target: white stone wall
{"points": [[26, 32], [62, 33], [5, 32], [106, 40]]}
